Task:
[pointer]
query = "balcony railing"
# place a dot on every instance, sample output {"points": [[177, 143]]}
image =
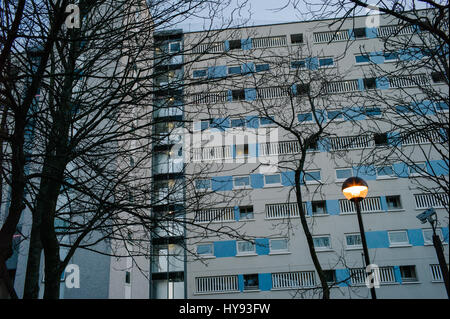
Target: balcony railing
{"points": [[341, 86], [437, 200], [209, 97], [298, 279], [216, 284], [386, 275], [269, 42], [215, 215], [393, 30], [330, 36], [351, 142], [368, 205], [214, 47], [284, 210], [212, 153], [408, 81], [421, 138], [272, 92], [279, 148], [436, 273]]}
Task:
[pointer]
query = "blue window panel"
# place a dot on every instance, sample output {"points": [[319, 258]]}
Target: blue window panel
{"points": [[425, 107], [437, 167], [351, 35], [382, 83], [226, 45], [204, 125], [298, 64], [265, 281], [262, 67], [241, 282], [356, 114], [377, 57], [257, 180], [312, 63], [335, 115], [273, 179], [377, 239], [266, 120], [175, 47], [383, 203], [225, 248], [371, 33], [441, 106], [203, 184], [312, 176], [445, 234], [237, 214], [415, 237], [390, 56], [400, 170], [305, 117], [234, 70], [238, 123], [220, 123], [252, 121], [361, 84], [385, 171], [287, 178], [250, 94], [206, 249], [342, 277], [397, 274], [217, 71], [373, 111], [362, 59], [262, 246], [241, 181], [344, 173], [324, 145], [222, 183], [326, 62], [248, 68], [308, 209], [333, 207], [246, 44], [365, 172], [394, 138], [402, 109]]}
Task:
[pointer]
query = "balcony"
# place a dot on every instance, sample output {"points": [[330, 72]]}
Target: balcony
{"points": [[215, 215], [368, 205], [284, 210], [298, 279], [437, 200], [216, 284]]}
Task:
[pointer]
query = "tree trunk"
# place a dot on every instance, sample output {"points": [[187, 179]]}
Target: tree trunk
{"points": [[31, 289]]}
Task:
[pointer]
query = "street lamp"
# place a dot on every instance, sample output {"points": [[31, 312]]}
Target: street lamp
{"points": [[430, 216], [355, 189]]}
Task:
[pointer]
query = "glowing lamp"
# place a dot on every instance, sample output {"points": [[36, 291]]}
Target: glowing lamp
{"points": [[355, 188]]}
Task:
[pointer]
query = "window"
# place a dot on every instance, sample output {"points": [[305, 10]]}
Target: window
{"points": [[359, 33], [428, 235], [326, 62], [251, 282], [372, 111], [370, 83], [330, 276], [312, 176], [274, 179], [246, 212], [297, 38], [199, 73], [238, 95], [241, 181], [235, 44], [265, 121], [408, 273], [234, 70], [174, 47], [302, 89], [322, 242], [335, 115], [245, 247], [203, 184], [305, 118], [205, 249], [238, 122], [127, 277], [438, 77], [390, 56], [362, 58], [385, 172], [343, 173], [262, 67], [353, 241], [393, 202], [204, 124], [298, 64], [278, 245], [319, 207], [398, 238], [313, 146], [380, 139], [242, 150], [417, 169]]}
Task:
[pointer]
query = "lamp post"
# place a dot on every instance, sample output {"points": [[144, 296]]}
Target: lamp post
{"points": [[355, 189], [430, 216]]}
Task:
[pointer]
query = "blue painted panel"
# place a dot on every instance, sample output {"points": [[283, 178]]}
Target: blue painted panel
{"points": [[397, 274], [241, 282], [222, 183], [246, 44], [248, 68], [225, 248], [253, 150], [217, 71], [445, 234], [324, 145], [351, 35], [394, 138], [416, 237], [312, 63], [237, 214], [438, 168], [382, 83], [377, 57], [354, 113], [227, 45], [365, 172], [343, 277], [229, 96], [250, 94], [361, 84], [400, 170], [377, 239], [333, 207], [288, 178], [220, 123], [262, 246], [308, 208], [371, 33], [265, 281], [257, 180], [383, 203]]}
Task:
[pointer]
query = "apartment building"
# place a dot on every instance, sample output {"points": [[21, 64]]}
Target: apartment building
{"points": [[236, 162]]}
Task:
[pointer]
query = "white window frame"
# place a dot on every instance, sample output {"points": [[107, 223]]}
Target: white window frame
{"points": [[385, 176], [326, 211], [417, 174], [272, 184], [362, 63], [401, 244], [245, 253], [241, 186], [200, 77], [169, 49], [336, 119], [278, 251], [342, 168], [211, 255], [394, 209], [313, 181], [203, 189], [430, 242], [266, 125], [328, 248], [326, 66], [353, 247]]}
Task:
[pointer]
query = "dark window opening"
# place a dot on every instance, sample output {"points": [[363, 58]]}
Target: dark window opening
{"points": [[246, 212], [238, 95], [330, 276], [380, 139], [297, 38], [370, 83], [235, 44], [319, 207], [127, 277], [251, 282], [408, 273], [303, 89], [438, 77], [359, 33]]}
